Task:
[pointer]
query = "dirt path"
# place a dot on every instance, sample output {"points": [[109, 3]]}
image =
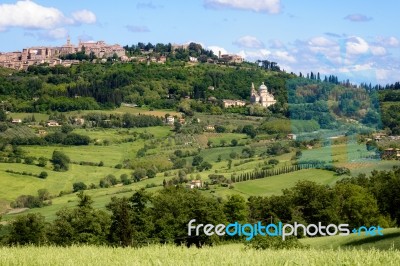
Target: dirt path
{"points": [[17, 210]]}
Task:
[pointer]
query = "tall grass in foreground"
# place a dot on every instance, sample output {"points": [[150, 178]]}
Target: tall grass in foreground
{"points": [[172, 255]]}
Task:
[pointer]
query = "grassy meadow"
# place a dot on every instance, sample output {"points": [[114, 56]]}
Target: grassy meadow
{"points": [[172, 255], [117, 150]]}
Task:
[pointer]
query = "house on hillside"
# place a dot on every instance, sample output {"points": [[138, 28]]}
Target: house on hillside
{"points": [[228, 103], [194, 184], [52, 123], [79, 121], [209, 128], [391, 153], [16, 121], [42, 133], [170, 120]]}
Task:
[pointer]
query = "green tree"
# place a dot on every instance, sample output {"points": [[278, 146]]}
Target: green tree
{"points": [[43, 175], [66, 128], [235, 209], [3, 116], [28, 229], [173, 207], [151, 173], [42, 161], [357, 207], [139, 174], [78, 186], [197, 160], [121, 230], [60, 161], [204, 166], [80, 225], [234, 142], [125, 180], [43, 194], [250, 131]]}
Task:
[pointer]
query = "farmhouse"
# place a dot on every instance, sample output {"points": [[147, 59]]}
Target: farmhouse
{"points": [[229, 103], [52, 123], [391, 153], [194, 184], [170, 120]]}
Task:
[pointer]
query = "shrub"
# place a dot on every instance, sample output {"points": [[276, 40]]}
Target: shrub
{"points": [[60, 161], [78, 186], [270, 242], [273, 161], [43, 175]]}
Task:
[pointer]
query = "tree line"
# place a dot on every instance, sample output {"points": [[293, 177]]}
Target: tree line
{"points": [[162, 217]]}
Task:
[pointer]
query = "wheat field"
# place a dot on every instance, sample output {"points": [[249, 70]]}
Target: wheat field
{"points": [[233, 254]]}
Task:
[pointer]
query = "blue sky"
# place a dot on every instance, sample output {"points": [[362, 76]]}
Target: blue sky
{"points": [[355, 39]]}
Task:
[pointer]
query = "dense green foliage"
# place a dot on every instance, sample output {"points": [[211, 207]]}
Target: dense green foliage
{"points": [[163, 217]]}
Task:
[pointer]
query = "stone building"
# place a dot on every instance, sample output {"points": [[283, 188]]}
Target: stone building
{"points": [[262, 96]]}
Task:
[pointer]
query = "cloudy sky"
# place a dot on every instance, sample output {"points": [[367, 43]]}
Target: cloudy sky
{"points": [[357, 39]]}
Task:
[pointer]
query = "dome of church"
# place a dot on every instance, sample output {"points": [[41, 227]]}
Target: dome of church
{"points": [[262, 87]]}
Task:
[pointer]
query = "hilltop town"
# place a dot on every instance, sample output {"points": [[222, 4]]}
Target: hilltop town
{"points": [[99, 51]]}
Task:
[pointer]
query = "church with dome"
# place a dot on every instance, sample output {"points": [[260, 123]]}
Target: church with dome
{"points": [[262, 96]]}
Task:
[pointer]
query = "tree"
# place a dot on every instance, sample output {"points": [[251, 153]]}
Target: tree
{"points": [[3, 116], [125, 180], [42, 161], [60, 161], [151, 173], [78, 186], [29, 160], [139, 174], [357, 206], [250, 131], [235, 209], [43, 175], [177, 126], [121, 230], [66, 128], [43, 194], [81, 225], [197, 160], [234, 142], [28, 229], [173, 207], [204, 166]]}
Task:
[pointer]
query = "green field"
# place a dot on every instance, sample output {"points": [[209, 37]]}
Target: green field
{"points": [[173, 255], [389, 240], [273, 185]]}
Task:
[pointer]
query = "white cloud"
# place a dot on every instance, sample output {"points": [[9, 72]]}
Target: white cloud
{"points": [[321, 41], [268, 6], [249, 42], [393, 41], [27, 14], [389, 42], [284, 56], [217, 49], [255, 55], [378, 50], [54, 34], [276, 44], [357, 18], [356, 45], [84, 16]]}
